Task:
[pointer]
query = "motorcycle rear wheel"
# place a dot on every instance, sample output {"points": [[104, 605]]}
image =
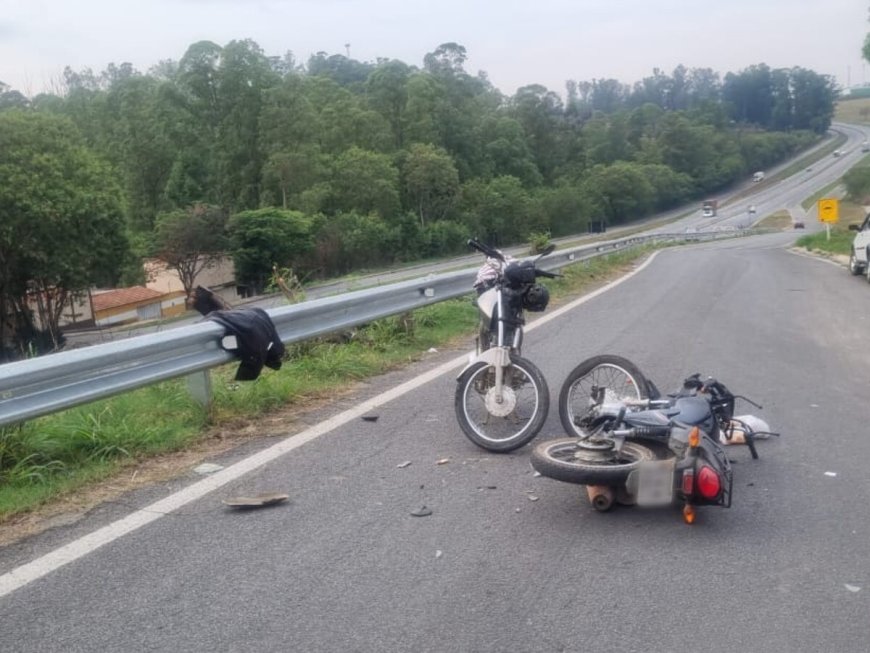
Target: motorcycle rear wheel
{"points": [[557, 459], [525, 405], [619, 376]]}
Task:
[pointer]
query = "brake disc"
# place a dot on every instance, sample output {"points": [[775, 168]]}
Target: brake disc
{"points": [[507, 405]]}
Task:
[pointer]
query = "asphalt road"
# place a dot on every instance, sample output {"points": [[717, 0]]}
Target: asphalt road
{"points": [[508, 561]]}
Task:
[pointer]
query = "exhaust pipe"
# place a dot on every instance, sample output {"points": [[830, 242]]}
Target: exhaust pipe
{"points": [[601, 497]]}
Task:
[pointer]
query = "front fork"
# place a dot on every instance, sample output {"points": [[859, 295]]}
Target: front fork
{"points": [[499, 358]]}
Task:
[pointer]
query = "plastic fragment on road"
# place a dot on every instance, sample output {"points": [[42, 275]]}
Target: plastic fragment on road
{"points": [[831, 474], [442, 461], [852, 588], [370, 418], [404, 464], [422, 511], [258, 501]]}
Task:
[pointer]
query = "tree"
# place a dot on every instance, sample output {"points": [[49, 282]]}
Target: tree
{"points": [[244, 76], [265, 238], [499, 211], [387, 92], [620, 191], [292, 173], [507, 151], [540, 112], [447, 59], [366, 182], [61, 222], [191, 241], [431, 181]]}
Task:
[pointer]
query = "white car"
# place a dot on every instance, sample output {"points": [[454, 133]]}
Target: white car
{"points": [[860, 253]]}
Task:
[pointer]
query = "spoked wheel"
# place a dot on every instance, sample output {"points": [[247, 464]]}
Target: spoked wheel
{"points": [[608, 377], [589, 462], [513, 421]]}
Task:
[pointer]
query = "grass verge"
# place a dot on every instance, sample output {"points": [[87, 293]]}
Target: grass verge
{"points": [[60, 455]]}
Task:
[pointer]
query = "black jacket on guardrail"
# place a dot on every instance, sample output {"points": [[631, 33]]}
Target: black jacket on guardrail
{"points": [[257, 339]]}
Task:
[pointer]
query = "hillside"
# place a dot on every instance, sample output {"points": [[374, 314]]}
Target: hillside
{"points": [[853, 110]]}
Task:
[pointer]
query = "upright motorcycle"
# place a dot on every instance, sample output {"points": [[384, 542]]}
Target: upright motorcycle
{"points": [[501, 398], [633, 446]]}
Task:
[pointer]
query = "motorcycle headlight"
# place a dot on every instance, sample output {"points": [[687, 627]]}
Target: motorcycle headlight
{"points": [[520, 273]]}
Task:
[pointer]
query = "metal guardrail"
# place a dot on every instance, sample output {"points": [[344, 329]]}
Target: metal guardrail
{"points": [[48, 384]]}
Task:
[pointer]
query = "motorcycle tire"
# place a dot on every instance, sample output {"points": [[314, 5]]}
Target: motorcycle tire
{"points": [[618, 375], [527, 401], [556, 459]]}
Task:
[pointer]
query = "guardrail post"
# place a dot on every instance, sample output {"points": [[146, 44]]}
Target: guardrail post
{"points": [[199, 386]]}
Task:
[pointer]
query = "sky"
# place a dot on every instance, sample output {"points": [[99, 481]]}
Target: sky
{"points": [[515, 43]]}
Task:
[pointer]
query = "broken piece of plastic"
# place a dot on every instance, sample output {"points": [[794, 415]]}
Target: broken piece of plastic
{"points": [[257, 501]]}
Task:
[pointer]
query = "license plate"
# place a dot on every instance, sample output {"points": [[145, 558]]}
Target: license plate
{"points": [[655, 482]]}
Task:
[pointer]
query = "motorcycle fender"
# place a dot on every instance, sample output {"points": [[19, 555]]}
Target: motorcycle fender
{"points": [[492, 356]]}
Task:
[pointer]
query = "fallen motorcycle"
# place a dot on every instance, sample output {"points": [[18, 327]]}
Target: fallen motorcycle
{"points": [[502, 399], [634, 447]]}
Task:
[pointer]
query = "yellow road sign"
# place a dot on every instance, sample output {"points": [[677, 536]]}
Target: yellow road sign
{"points": [[829, 210]]}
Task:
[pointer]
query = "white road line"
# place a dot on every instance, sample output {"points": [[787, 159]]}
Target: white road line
{"points": [[27, 573]]}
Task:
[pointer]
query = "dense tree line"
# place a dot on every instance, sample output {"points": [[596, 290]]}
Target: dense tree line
{"points": [[339, 164]]}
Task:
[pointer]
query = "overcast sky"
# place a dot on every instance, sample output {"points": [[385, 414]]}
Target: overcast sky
{"points": [[516, 43]]}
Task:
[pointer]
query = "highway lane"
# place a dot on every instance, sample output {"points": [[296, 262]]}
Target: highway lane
{"points": [[508, 560]]}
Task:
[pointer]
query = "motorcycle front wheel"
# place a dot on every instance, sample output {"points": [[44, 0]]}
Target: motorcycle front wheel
{"points": [[515, 420], [566, 460], [618, 376]]}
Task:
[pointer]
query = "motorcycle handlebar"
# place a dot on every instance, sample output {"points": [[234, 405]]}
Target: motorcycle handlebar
{"points": [[548, 275], [485, 249]]}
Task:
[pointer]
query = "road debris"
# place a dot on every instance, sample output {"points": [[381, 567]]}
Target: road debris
{"points": [[404, 464], [370, 418], [831, 474], [258, 501], [442, 461], [852, 588], [422, 511], [208, 468]]}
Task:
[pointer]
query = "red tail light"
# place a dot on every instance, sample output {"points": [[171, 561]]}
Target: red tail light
{"points": [[709, 484]]}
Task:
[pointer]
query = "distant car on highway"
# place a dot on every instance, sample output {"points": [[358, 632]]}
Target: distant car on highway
{"points": [[836, 152]]}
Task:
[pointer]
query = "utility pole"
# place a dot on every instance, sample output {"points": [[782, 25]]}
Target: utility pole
{"points": [[347, 49]]}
